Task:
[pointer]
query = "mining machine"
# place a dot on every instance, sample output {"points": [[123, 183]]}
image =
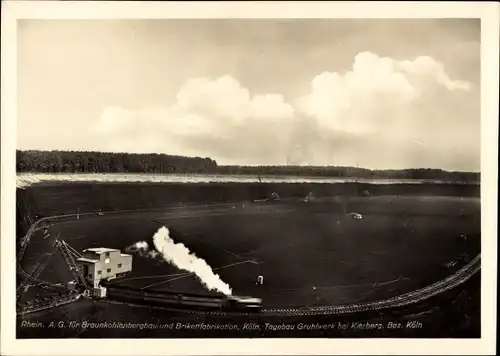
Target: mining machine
{"points": [[74, 290]]}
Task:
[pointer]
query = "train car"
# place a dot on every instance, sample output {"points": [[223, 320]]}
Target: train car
{"points": [[115, 285], [184, 300], [163, 298], [243, 303]]}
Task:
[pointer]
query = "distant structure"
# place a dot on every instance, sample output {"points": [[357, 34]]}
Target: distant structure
{"points": [[103, 263], [356, 216]]}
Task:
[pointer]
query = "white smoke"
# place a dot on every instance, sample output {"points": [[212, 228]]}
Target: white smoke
{"points": [[180, 256], [142, 248], [141, 245]]}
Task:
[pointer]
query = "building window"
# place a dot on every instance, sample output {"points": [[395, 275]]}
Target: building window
{"points": [[119, 265], [107, 254], [108, 270], [99, 272], [90, 275]]}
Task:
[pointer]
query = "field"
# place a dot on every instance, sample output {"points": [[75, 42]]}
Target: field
{"points": [[310, 253]]}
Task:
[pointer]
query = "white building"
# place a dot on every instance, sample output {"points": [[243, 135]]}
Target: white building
{"points": [[103, 263]]}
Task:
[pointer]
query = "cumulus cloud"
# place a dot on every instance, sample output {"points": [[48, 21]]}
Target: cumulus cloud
{"points": [[210, 117], [224, 98], [376, 94], [381, 113], [427, 67]]}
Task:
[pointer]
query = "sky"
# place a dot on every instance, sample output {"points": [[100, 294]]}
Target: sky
{"points": [[376, 93]]}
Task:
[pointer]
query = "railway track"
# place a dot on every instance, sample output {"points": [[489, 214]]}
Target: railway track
{"points": [[452, 281]]}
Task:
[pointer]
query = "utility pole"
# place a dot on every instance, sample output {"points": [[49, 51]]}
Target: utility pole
{"points": [[357, 180]]}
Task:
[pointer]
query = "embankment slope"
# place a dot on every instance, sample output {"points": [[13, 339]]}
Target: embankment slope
{"points": [[56, 198]]}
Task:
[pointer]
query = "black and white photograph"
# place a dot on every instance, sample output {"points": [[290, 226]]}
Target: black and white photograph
{"points": [[246, 177]]}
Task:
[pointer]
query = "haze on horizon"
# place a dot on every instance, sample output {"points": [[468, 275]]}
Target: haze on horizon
{"points": [[380, 94]]}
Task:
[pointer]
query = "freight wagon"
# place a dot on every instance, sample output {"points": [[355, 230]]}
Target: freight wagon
{"points": [[183, 300]]}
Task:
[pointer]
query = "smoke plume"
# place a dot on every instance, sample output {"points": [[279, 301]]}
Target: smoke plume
{"points": [[180, 256], [142, 248]]}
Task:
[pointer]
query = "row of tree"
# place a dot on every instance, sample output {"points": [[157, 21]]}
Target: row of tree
{"points": [[105, 162], [353, 172]]}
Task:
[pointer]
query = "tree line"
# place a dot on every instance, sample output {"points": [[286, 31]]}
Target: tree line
{"points": [[106, 162], [353, 172]]}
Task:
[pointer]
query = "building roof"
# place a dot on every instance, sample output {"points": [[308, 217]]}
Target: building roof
{"points": [[100, 250], [125, 254], [83, 259]]}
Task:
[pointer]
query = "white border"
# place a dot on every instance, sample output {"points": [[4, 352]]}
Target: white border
{"points": [[488, 12]]}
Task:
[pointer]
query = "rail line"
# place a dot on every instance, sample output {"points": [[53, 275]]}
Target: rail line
{"points": [[414, 297], [419, 295]]}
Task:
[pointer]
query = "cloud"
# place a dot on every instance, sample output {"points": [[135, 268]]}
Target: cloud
{"points": [[376, 94], [429, 68], [394, 114], [117, 120], [226, 99], [381, 113], [209, 117]]}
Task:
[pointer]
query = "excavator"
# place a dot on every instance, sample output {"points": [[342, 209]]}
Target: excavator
{"points": [[75, 289], [273, 197]]}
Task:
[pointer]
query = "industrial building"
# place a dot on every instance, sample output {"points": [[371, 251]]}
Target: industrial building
{"points": [[102, 263]]}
